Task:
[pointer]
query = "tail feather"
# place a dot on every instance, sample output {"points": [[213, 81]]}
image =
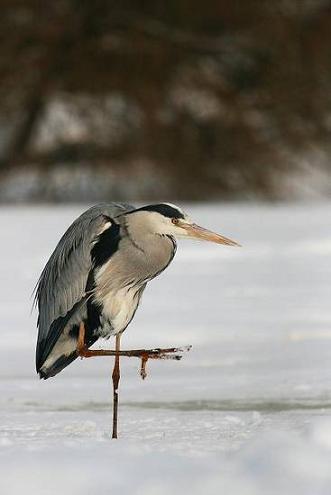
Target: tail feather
{"points": [[63, 353], [55, 368]]}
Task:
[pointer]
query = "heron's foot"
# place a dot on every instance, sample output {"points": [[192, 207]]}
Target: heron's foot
{"points": [[158, 353], [143, 372]]}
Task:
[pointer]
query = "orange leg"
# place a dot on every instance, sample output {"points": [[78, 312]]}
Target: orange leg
{"points": [[116, 378], [143, 354], [81, 346]]}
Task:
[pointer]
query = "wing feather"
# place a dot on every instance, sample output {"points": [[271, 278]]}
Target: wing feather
{"points": [[60, 291]]}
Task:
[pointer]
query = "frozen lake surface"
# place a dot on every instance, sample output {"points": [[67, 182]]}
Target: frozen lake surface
{"points": [[247, 411]]}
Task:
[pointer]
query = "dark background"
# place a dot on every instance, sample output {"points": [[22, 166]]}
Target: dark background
{"points": [[178, 99]]}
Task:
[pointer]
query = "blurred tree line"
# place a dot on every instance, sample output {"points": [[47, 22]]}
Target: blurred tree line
{"points": [[182, 98]]}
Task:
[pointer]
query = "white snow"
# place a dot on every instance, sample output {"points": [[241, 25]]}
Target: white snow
{"points": [[247, 411]]}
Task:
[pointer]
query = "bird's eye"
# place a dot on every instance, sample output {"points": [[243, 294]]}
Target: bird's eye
{"points": [[175, 221]]}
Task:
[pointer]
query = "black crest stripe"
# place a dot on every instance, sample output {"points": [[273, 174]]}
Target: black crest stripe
{"points": [[163, 209]]}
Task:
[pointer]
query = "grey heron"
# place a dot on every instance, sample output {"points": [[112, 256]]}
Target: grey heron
{"points": [[93, 282]]}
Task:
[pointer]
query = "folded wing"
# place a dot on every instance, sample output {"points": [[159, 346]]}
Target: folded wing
{"points": [[61, 289]]}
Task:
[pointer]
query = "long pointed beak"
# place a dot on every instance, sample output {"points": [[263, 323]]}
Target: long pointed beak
{"points": [[197, 232]]}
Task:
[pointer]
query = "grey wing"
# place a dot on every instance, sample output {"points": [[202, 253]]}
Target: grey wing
{"points": [[60, 292]]}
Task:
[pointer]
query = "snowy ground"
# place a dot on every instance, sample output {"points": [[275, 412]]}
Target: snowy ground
{"points": [[247, 411]]}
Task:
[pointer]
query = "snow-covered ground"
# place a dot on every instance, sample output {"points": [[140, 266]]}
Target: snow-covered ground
{"points": [[246, 412]]}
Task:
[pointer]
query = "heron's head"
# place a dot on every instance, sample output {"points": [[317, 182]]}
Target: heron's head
{"points": [[168, 219]]}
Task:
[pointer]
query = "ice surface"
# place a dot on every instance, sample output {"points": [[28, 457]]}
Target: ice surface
{"points": [[247, 411]]}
